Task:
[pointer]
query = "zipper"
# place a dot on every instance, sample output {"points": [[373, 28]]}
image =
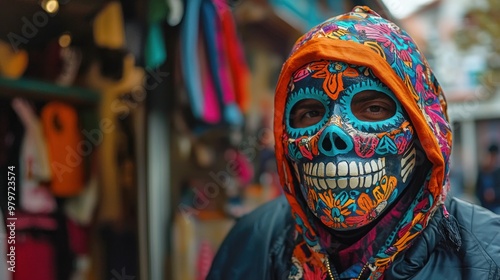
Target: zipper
{"points": [[371, 267]]}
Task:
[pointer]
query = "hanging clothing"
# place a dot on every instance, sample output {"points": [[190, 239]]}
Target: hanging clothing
{"points": [[219, 67], [219, 64], [34, 170], [36, 250], [240, 74], [66, 147], [35, 256]]}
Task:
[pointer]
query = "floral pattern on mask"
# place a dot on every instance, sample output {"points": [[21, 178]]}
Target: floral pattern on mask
{"points": [[340, 161]]}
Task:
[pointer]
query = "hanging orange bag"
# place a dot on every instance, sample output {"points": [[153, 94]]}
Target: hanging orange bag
{"points": [[66, 148]]}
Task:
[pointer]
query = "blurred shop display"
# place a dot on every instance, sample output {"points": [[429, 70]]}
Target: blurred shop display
{"points": [[477, 112], [68, 134], [481, 27], [139, 130]]}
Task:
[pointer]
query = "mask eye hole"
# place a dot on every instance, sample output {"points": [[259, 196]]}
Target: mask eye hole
{"points": [[306, 113], [373, 106]]}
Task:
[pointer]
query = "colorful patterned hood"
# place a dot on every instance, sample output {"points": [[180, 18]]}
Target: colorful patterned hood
{"points": [[363, 38]]}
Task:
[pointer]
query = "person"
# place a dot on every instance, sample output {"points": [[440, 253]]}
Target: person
{"points": [[488, 181], [363, 144]]}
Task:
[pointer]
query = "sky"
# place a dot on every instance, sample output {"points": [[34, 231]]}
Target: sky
{"points": [[401, 9]]}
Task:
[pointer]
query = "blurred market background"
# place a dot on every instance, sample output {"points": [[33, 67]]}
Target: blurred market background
{"points": [[140, 130]]}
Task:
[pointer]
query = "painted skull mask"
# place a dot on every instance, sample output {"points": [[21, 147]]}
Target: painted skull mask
{"points": [[350, 142]]}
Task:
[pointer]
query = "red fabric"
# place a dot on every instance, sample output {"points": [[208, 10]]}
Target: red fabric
{"points": [[236, 59], [34, 258], [224, 69], [78, 237]]}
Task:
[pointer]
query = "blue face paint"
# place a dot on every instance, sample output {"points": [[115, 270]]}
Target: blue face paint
{"points": [[300, 95], [349, 168], [366, 126]]}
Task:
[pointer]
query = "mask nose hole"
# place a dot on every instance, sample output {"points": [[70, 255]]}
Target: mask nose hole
{"points": [[334, 141], [338, 143]]}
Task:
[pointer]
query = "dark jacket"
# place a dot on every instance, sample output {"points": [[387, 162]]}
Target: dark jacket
{"points": [[259, 246]]}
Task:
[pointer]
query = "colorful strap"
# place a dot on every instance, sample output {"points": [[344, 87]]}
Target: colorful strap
{"points": [[190, 58]]}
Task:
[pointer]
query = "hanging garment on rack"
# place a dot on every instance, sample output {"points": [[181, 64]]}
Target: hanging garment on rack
{"points": [[42, 247], [211, 104], [67, 150], [34, 162], [35, 256], [235, 55], [35, 252], [190, 58], [217, 60], [224, 55]]}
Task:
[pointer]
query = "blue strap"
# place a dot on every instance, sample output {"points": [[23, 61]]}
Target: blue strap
{"points": [[189, 56]]}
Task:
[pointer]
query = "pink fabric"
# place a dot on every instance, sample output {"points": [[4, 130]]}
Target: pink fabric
{"points": [[205, 258], [26, 220], [211, 110]]}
